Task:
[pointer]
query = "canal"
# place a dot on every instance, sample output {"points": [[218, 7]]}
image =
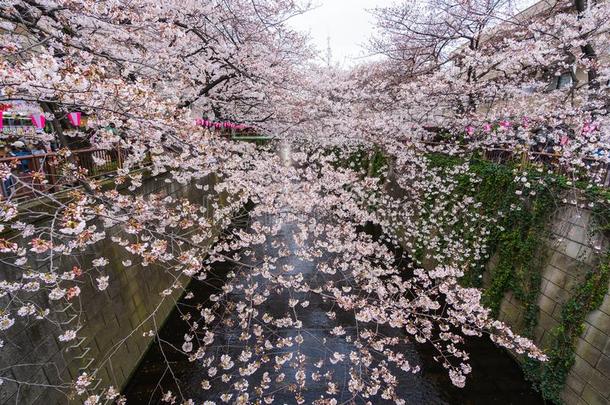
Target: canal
{"points": [[306, 355], [496, 378]]}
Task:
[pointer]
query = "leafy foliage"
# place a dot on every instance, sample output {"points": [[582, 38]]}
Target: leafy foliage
{"points": [[519, 244]]}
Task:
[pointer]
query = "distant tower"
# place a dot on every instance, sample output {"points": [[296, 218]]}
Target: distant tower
{"points": [[329, 53]]}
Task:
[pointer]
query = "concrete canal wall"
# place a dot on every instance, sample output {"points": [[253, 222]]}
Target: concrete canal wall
{"points": [[570, 252], [114, 325]]}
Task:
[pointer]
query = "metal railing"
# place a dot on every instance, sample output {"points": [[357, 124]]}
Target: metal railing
{"points": [[597, 169], [41, 172]]}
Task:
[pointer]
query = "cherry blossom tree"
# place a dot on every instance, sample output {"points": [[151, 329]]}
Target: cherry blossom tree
{"points": [[143, 72], [471, 69]]}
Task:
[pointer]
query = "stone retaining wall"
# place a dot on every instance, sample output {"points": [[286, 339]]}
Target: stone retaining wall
{"points": [[114, 322], [570, 254]]}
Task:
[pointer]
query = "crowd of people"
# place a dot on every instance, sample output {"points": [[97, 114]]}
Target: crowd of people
{"points": [[31, 157]]}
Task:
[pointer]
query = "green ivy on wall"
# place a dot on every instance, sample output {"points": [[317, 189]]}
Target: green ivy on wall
{"points": [[587, 296], [370, 162], [519, 245], [517, 240]]}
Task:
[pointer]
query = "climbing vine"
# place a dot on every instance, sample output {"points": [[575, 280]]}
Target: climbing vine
{"points": [[600, 207], [518, 243], [520, 231], [587, 296], [372, 162]]}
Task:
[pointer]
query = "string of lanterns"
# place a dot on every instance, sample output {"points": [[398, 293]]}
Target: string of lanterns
{"points": [[39, 120], [219, 125], [587, 130]]}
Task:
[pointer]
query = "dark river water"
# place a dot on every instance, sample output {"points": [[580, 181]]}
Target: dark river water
{"points": [[495, 379]]}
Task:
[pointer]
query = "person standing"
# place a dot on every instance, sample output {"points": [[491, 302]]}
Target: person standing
{"points": [[18, 149]]}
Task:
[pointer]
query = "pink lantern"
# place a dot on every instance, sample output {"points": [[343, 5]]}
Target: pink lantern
{"points": [[470, 130], [487, 127], [74, 118], [38, 120]]}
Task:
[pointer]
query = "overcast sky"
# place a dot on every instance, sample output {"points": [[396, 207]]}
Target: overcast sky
{"points": [[347, 24]]}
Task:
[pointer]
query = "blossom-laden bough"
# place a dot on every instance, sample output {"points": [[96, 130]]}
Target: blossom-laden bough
{"points": [[143, 72], [314, 252]]}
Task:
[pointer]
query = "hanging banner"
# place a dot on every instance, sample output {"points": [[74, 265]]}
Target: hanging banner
{"points": [[38, 120], [1, 118]]}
